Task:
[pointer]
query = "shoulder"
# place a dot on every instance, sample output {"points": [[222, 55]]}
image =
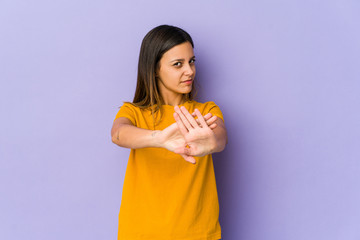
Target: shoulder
{"points": [[128, 108], [207, 107], [133, 107], [129, 105], [130, 111]]}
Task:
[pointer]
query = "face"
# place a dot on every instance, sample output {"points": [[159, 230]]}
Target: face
{"points": [[176, 71]]}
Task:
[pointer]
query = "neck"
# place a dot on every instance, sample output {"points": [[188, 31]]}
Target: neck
{"points": [[174, 100]]}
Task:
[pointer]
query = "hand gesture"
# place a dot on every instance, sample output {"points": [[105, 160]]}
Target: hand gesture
{"points": [[199, 137], [172, 139]]}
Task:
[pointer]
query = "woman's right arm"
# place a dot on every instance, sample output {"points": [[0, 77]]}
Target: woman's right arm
{"points": [[125, 134]]}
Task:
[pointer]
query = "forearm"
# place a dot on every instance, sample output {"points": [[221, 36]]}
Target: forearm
{"points": [[129, 136], [220, 139], [219, 144]]}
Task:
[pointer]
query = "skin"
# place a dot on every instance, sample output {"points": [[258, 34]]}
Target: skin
{"points": [[188, 137], [175, 67], [125, 134], [201, 139]]}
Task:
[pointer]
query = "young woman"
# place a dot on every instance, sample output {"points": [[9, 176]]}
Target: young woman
{"points": [[169, 190]]}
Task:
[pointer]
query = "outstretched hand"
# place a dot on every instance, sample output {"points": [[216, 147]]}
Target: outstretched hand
{"points": [[199, 138], [173, 139]]}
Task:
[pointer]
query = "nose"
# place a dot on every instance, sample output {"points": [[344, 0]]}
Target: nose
{"points": [[189, 70]]}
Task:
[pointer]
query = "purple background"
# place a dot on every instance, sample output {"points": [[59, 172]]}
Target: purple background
{"points": [[285, 74]]}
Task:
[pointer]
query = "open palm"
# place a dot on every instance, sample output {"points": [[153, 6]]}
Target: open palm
{"points": [[172, 138], [199, 137]]}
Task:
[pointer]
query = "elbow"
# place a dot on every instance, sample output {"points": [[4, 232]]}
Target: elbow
{"points": [[219, 146], [115, 137], [222, 146], [113, 140]]}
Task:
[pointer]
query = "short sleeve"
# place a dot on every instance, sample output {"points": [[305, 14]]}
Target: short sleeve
{"points": [[214, 110], [127, 110]]}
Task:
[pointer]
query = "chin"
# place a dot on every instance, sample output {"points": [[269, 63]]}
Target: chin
{"points": [[186, 92]]}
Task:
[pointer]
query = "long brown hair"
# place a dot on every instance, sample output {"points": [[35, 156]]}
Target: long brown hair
{"points": [[156, 42]]}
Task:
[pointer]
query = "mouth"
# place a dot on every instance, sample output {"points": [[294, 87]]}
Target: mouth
{"points": [[189, 81]]}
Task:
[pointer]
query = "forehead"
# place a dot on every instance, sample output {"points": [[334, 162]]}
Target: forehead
{"points": [[183, 50]]}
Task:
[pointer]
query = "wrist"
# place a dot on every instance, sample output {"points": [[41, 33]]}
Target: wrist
{"points": [[155, 137]]}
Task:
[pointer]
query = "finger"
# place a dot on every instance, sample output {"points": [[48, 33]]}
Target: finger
{"points": [[180, 124], [208, 120], [188, 116], [201, 118], [207, 116], [211, 120], [183, 118], [212, 126], [183, 150], [189, 158]]}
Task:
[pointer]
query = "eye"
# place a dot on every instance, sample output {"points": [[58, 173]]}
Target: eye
{"points": [[192, 60], [177, 64]]}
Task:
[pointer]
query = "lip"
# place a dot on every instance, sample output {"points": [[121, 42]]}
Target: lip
{"points": [[189, 81]]}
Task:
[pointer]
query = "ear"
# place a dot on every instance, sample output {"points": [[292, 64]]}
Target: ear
{"points": [[157, 69]]}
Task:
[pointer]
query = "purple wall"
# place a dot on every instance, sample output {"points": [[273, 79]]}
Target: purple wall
{"points": [[285, 73]]}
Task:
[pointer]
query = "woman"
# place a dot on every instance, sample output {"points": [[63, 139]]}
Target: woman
{"points": [[164, 195]]}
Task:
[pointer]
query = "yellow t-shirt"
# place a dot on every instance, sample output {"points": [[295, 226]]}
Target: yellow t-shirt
{"points": [[165, 197]]}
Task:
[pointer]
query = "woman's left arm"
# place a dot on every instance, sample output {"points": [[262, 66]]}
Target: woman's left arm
{"points": [[220, 135]]}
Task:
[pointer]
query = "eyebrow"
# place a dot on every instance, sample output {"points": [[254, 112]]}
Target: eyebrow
{"points": [[181, 59]]}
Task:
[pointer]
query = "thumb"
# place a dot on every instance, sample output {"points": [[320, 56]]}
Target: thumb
{"points": [[189, 158]]}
